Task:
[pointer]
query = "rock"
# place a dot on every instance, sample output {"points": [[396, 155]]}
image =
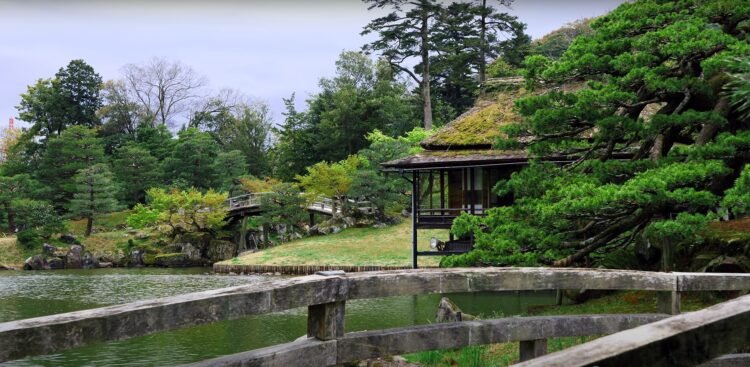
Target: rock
{"points": [[89, 261], [119, 258], [69, 239], [335, 229], [405, 213], [136, 258], [448, 312], [5, 267], [48, 250], [174, 260], [55, 263], [61, 253], [379, 225], [105, 265], [35, 262], [193, 253], [220, 250], [74, 259]]}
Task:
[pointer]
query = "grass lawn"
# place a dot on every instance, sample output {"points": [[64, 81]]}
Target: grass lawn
{"points": [[389, 246], [10, 254]]}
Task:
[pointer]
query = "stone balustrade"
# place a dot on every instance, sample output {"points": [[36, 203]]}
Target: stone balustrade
{"points": [[326, 294]]}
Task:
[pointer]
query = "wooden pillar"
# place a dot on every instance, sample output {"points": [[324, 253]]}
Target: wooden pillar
{"points": [[312, 218], [471, 190], [442, 192], [242, 245], [414, 196], [326, 321], [530, 349]]}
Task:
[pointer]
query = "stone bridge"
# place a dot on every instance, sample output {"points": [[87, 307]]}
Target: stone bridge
{"points": [[663, 339]]}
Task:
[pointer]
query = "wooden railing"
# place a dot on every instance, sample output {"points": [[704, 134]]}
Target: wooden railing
{"points": [[328, 205], [246, 201], [322, 204], [724, 327]]}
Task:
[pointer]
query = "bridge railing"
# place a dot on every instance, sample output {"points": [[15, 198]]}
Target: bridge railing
{"points": [[245, 201], [325, 297]]}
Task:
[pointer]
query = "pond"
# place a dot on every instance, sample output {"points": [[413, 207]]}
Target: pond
{"points": [[32, 294]]}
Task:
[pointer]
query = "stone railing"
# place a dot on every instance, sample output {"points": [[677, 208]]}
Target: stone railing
{"points": [[325, 296]]}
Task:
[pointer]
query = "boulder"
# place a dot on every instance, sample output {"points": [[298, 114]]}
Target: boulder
{"points": [[55, 263], [74, 259], [48, 250], [36, 262], [448, 312], [136, 258], [105, 265], [175, 260], [220, 250], [192, 252], [89, 261], [69, 239]]}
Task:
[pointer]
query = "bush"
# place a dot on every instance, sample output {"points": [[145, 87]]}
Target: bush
{"points": [[30, 239]]}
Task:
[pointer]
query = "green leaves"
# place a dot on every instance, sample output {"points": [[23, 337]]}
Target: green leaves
{"points": [[177, 212]]}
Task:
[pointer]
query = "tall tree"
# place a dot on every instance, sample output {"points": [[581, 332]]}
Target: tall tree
{"points": [[14, 188], [405, 34], [163, 89], [237, 124], [135, 170], [686, 149], [95, 194], [79, 87], [70, 98], [500, 34], [192, 160], [76, 148]]}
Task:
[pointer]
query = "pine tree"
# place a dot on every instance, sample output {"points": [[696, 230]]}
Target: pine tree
{"points": [[95, 194]]}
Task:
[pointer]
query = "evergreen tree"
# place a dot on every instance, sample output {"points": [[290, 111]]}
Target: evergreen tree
{"points": [[135, 170], [672, 56], [70, 98], [405, 34], [95, 194], [192, 161], [229, 167], [76, 148]]}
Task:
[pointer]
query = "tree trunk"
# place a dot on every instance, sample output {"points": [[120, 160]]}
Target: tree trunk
{"points": [[11, 217], [89, 225], [426, 98], [483, 44], [709, 130]]}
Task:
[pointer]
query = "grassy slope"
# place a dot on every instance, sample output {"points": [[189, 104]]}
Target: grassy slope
{"points": [[109, 232], [10, 254], [389, 246]]}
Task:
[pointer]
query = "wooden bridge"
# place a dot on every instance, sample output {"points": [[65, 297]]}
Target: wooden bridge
{"points": [[250, 204], [666, 339]]}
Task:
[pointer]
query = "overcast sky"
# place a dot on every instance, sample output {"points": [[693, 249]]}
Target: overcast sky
{"points": [[264, 49]]}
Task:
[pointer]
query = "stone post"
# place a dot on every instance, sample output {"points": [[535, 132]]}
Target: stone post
{"points": [[668, 302], [530, 349], [326, 321]]}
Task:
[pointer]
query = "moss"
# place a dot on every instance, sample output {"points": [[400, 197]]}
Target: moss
{"points": [[149, 259], [480, 126]]}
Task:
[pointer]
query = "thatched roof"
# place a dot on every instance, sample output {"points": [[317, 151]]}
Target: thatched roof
{"points": [[479, 127]]}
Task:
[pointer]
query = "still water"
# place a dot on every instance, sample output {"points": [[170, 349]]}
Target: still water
{"points": [[32, 294]]}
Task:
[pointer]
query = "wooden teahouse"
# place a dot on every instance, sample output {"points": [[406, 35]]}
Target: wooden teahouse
{"points": [[458, 169]]}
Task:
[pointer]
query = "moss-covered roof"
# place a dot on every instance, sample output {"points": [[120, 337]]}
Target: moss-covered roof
{"points": [[479, 127], [458, 158]]}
